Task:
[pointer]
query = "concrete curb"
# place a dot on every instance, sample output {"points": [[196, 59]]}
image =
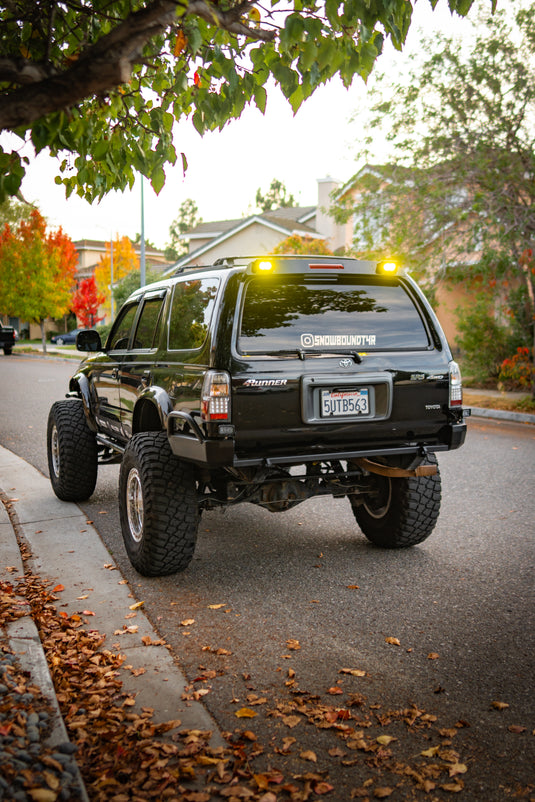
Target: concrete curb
{"points": [[23, 638], [503, 414]]}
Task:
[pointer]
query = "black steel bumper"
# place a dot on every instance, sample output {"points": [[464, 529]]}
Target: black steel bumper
{"points": [[194, 446]]}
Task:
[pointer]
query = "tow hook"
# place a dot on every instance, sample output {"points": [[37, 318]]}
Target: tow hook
{"points": [[397, 473]]}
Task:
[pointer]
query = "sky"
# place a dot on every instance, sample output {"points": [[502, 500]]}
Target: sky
{"points": [[225, 169]]}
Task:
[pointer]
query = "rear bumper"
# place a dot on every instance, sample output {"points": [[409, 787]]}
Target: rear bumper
{"points": [[194, 446]]}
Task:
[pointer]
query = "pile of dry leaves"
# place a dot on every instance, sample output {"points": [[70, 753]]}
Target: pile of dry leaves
{"points": [[123, 755]]}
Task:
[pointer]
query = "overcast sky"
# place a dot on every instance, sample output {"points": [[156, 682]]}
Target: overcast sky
{"points": [[226, 168]]}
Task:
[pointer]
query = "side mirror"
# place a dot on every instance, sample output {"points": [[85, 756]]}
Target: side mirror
{"points": [[88, 340]]}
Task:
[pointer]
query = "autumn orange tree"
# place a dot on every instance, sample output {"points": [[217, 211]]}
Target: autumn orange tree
{"points": [[303, 245], [37, 271], [121, 260], [86, 301]]}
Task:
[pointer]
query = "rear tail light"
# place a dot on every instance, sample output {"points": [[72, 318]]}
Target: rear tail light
{"points": [[215, 401], [456, 385]]}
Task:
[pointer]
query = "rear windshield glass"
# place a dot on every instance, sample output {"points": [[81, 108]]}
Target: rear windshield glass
{"points": [[288, 316]]}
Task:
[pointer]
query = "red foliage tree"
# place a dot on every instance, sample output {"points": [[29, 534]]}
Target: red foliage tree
{"points": [[86, 301]]}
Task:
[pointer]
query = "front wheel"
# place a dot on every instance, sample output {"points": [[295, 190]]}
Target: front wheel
{"points": [[72, 452], [158, 506], [399, 513]]}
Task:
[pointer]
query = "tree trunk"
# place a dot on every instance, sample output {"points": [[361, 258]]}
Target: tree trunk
{"points": [[43, 335]]}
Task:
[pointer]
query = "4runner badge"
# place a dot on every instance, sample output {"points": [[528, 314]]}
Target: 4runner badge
{"points": [[265, 382]]}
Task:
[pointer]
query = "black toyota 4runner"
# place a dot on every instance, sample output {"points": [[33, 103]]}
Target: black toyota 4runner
{"points": [[268, 380]]}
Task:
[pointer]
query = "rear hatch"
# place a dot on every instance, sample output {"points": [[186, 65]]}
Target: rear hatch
{"points": [[334, 357]]}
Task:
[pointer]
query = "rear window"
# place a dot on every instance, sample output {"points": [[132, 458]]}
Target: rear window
{"points": [[289, 316]]}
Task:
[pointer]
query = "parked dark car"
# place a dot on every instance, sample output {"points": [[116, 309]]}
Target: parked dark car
{"points": [[8, 336], [268, 381], [69, 338]]}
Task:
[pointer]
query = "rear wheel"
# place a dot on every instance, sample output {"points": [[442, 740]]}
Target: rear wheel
{"points": [[72, 452], [400, 512], [8, 350], [158, 506]]}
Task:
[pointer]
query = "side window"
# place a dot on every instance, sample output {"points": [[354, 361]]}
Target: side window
{"points": [[120, 333], [147, 327], [193, 304]]}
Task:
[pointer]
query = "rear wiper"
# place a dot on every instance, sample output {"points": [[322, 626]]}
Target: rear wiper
{"points": [[302, 353]]}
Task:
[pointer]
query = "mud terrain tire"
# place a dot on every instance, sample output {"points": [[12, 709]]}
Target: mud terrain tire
{"points": [[72, 452], [404, 512], [158, 506]]}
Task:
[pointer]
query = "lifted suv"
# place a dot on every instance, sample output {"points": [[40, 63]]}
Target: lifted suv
{"points": [[269, 381]]}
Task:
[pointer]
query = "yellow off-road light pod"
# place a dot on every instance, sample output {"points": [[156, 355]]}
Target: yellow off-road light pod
{"points": [[387, 267]]}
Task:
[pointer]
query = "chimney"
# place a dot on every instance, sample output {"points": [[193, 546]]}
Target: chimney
{"points": [[325, 225]]}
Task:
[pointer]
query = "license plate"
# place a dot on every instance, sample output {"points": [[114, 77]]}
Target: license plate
{"points": [[340, 403]]}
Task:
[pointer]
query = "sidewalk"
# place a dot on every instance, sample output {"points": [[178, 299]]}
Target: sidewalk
{"points": [[66, 550]]}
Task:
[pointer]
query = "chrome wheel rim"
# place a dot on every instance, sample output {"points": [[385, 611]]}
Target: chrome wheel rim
{"points": [[134, 505], [54, 451]]}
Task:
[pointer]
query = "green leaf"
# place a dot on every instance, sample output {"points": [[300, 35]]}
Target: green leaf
{"points": [[260, 97], [157, 179]]}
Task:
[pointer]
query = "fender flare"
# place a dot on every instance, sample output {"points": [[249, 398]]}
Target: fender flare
{"points": [[159, 400], [79, 387]]}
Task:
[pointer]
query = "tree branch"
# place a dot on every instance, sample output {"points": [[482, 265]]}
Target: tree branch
{"points": [[107, 63]]}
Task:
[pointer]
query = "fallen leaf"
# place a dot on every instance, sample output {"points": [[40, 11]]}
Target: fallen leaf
{"points": [[384, 740], [353, 587], [87, 612], [335, 690], [137, 605], [245, 712], [453, 788], [293, 644], [382, 793], [58, 589], [308, 754], [323, 788], [500, 705], [42, 795], [187, 622], [432, 656], [291, 721], [516, 728], [216, 606], [430, 752], [393, 642], [457, 768], [355, 672]]}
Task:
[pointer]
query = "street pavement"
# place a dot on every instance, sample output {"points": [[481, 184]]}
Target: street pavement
{"points": [[66, 551]]}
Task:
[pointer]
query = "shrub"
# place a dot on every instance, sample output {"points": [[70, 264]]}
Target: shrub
{"points": [[483, 341], [518, 372]]}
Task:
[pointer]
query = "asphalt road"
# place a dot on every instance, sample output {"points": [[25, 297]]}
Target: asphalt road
{"points": [[274, 606]]}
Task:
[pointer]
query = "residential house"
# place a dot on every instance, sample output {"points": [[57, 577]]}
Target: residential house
{"points": [[260, 233]]}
